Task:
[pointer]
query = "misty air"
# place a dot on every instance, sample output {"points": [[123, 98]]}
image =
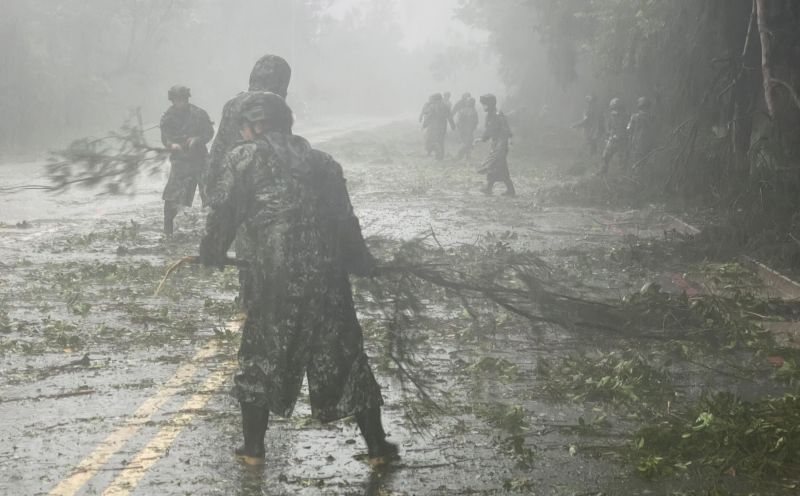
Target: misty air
{"points": [[399, 247]]}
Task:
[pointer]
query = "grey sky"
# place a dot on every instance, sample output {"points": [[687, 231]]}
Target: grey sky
{"points": [[421, 20]]}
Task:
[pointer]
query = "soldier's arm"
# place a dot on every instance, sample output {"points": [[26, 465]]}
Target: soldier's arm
{"points": [[506, 127], [228, 202], [357, 258], [226, 136], [581, 123], [206, 128], [164, 125]]}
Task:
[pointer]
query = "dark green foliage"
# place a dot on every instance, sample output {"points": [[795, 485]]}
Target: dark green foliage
{"points": [[724, 433], [624, 379], [700, 62]]}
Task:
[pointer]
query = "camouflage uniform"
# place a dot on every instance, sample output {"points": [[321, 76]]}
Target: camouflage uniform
{"points": [[642, 132], [435, 116], [302, 241], [617, 127], [270, 73], [178, 125], [466, 119], [496, 163]]}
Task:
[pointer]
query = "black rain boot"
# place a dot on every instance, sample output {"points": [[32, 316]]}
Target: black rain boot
{"points": [[510, 191], [254, 425], [379, 450], [170, 212]]}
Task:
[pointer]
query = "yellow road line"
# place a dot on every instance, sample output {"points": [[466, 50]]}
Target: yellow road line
{"points": [[92, 464], [160, 444]]}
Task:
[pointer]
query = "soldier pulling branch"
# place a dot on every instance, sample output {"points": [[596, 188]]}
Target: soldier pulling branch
{"points": [[290, 206]]}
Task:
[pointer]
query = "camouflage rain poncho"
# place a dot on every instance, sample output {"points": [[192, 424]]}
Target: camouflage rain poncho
{"points": [[290, 206]]}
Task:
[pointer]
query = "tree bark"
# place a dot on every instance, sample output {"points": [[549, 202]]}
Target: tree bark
{"points": [[766, 56], [745, 93]]}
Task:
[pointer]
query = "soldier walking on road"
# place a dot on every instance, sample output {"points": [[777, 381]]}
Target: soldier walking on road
{"points": [[435, 117], [592, 124], [498, 131], [460, 103], [617, 128], [449, 104], [185, 131], [466, 118], [290, 206]]}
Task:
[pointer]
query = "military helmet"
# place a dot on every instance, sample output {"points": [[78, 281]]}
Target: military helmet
{"points": [[263, 106], [271, 73], [178, 91], [643, 103], [615, 104], [489, 99]]}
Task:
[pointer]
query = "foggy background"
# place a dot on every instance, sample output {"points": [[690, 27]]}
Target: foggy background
{"points": [[77, 67]]}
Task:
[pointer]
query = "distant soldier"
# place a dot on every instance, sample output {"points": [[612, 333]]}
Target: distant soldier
{"points": [[642, 132], [434, 118], [497, 130], [289, 204], [270, 73], [617, 128], [466, 118], [185, 131], [463, 101], [592, 124], [449, 104]]}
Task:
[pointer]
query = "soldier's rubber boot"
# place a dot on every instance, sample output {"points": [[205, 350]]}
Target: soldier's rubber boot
{"points": [[510, 191], [255, 420], [380, 452], [170, 212]]}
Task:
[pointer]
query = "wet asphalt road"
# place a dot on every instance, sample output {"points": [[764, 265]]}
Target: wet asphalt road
{"points": [[136, 420]]}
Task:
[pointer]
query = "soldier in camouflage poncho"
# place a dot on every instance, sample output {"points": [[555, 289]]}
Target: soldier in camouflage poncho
{"points": [[185, 130], [499, 133], [434, 117], [466, 119], [617, 129], [592, 124], [290, 206], [270, 73]]}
